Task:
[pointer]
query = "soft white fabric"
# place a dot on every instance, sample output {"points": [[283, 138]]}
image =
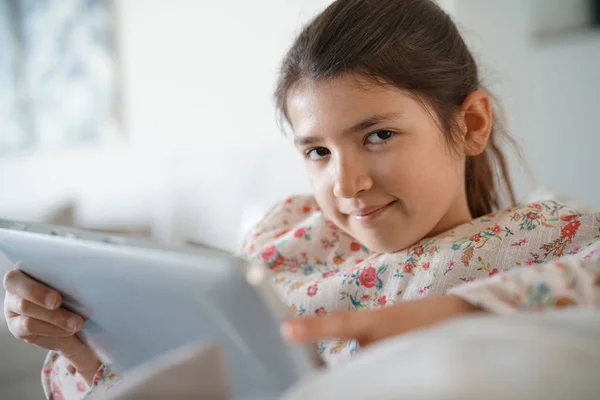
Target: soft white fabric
{"points": [[553, 355]]}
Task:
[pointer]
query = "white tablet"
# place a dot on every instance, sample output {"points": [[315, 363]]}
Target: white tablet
{"points": [[140, 301]]}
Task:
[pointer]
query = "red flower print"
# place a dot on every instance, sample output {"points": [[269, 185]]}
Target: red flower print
{"points": [[56, 392], [97, 376], [537, 206], [531, 215], [418, 250], [365, 297], [289, 200], [312, 290], [382, 300], [280, 234], [408, 268], [276, 263], [268, 253], [568, 218], [299, 232], [494, 271], [81, 387], [451, 264], [421, 291], [475, 238], [306, 209], [355, 246], [330, 273], [320, 311], [496, 229], [359, 261], [570, 229], [426, 266], [368, 277], [520, 242]]}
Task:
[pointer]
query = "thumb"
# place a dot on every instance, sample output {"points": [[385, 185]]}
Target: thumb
{"points": [[78, 353]]}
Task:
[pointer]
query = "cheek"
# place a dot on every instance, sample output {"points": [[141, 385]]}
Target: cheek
{"points": [[323, 189], [317, 178], [420, 173]]}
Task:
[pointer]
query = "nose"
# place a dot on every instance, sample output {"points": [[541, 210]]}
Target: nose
{"points": [[351, 176]]}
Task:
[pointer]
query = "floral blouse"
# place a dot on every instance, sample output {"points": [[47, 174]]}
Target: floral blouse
{"points": [[528, 258]]}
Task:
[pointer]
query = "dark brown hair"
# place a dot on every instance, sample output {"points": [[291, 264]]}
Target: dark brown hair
{"points": [[415, 46]]}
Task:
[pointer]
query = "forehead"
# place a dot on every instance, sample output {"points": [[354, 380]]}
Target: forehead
{"points": [[317, 108]]}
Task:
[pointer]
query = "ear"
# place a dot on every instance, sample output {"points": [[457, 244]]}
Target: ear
{"points": [[475, 117]]}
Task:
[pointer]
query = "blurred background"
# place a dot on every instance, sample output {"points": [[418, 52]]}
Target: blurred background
{"points": [[156, 118]]}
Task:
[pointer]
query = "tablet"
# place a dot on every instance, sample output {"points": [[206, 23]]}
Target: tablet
{"points": [[141, 300]]}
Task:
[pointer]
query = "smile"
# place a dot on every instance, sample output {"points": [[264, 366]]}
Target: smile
{"points": [[370, 214]]}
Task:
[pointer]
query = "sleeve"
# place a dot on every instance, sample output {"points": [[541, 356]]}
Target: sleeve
{"points": [[60, 381], [569, 281]]}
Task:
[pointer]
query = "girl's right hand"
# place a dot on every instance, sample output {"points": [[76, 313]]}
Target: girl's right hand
{"points": [[34, 314]]}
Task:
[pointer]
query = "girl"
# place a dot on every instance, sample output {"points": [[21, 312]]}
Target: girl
{"points": [[400, 144]]}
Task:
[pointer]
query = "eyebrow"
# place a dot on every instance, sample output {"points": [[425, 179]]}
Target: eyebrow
{"points": [[358, 127]]}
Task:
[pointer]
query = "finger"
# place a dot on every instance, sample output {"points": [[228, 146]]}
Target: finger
{"points": [[79, 354], [30, 339], [343, 325], [60, 317], [21, 285], [22, 327]]}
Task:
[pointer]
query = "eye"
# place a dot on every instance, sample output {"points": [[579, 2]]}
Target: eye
{"points": [[317, 153], [379, 137]]}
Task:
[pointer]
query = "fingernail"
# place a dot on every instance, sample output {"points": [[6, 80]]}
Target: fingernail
{"points": [[51, 299], [291, 332], [73, 323], [286, 331]]}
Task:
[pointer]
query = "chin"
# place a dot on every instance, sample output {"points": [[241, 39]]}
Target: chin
{"points": [[383, 246]]}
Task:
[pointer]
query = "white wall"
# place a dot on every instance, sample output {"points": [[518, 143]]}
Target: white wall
{"points": [[548, 83], [201, 143], [200, 129]]}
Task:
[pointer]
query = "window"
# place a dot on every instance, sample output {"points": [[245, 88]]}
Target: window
{"points": [[58, 73]]}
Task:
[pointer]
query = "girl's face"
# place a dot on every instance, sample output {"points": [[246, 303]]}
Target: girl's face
{"points": [[380, 167]]}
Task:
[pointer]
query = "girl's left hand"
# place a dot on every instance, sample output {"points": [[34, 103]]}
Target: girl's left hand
{"points": [[373, 325]]}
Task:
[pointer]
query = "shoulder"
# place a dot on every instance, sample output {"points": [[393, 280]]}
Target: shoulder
{"points": [[527, 219], [526, 234], [282, 218]]}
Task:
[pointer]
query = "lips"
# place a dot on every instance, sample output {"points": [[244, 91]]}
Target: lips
{"points": [[366, 211]]}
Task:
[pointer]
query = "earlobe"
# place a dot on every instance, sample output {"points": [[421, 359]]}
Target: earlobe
{"points": [[477, 120]]}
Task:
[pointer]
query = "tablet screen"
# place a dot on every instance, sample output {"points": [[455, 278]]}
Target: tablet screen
{"points": [[141, 302]]}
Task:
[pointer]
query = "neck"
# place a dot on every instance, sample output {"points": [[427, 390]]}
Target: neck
{"points": [[456, 215]]}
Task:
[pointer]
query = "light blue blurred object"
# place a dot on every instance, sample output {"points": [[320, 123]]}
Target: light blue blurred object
{"points": [[141, 302]]}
